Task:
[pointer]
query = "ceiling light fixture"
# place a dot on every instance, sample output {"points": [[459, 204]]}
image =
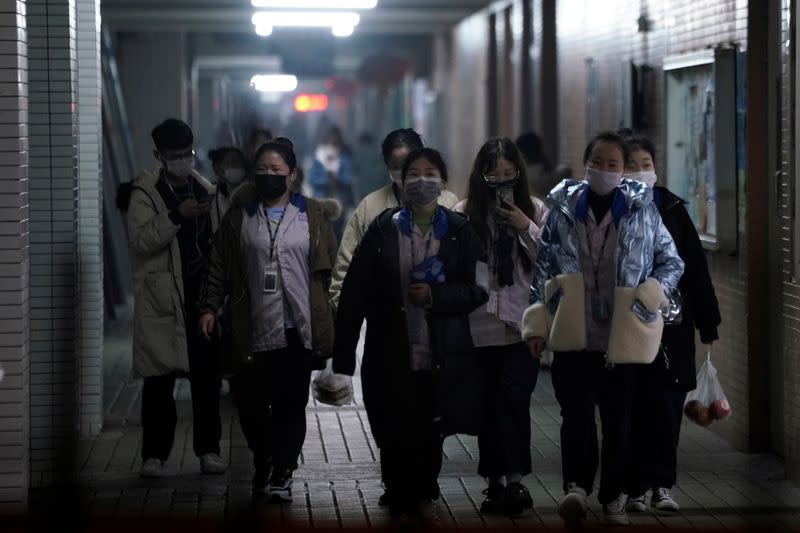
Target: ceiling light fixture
{"points": [[342, 24], [274, 83], [316, 4]]}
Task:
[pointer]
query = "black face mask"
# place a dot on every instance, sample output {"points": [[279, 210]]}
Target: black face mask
{"points": [[270, 186]]}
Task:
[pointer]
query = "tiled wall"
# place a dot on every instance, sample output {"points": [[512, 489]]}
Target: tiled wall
{"points": [[14, 263], [55, 308], [790, 286], [90, 216]]}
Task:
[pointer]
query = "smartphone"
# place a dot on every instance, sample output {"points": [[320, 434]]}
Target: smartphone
{"points": [[505, 198]]}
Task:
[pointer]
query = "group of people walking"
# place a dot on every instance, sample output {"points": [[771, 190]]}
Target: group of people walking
{"points": [[245, 278]]}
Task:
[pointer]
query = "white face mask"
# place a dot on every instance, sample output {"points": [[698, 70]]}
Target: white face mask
{"points": [[601, 182], [396, 176], [648, 177], [234, 176], [180, 168]]}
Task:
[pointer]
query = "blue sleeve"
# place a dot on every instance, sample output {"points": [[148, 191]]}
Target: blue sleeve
{"points": [[346, 170], [316, 175]]}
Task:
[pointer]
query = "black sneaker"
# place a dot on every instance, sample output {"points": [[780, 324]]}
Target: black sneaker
{"points": [[494, 499], [386, 499], [280, 486], [517, 498]]}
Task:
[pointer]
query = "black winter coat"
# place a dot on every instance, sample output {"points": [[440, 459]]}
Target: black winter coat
{"points": [[700, 307], [372, 290]]}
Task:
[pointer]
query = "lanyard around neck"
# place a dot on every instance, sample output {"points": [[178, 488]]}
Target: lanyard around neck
{"points": [[273, 238]]}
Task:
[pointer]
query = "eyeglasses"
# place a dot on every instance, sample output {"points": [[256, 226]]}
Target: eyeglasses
{"points": [[494, 178]]}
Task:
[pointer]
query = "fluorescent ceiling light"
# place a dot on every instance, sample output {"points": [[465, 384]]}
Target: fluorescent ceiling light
{"points": [[264, 31], [274, 83], [316, 4], [299, 19], [342, 31]]}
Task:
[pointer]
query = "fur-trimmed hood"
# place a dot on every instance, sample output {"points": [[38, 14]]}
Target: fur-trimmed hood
{"points": [[246, 194]]}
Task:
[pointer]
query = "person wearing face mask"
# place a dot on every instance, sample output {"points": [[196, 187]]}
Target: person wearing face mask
{"points": [[272, 260], [395, 148], [508, 220], [331, 173], [605, 268], [413, 279], [661, 387], [230, 167], [169, 233]]}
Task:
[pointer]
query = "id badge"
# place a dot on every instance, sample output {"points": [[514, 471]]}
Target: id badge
{"points": [[601, 310], [270, 280]]}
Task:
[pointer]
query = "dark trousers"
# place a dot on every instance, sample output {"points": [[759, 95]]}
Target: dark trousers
{"points": [[505, 441], [159, 416], [271, 397], [412, 459], [655, 430], [580, 381]]}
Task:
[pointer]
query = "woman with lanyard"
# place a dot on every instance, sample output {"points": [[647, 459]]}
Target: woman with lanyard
{"points": [[272, 260], [413, 279], [508, 220], [605, 266]]}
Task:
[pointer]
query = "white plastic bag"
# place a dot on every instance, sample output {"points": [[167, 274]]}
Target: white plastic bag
{"points": [[332, 389], [707, 402]]}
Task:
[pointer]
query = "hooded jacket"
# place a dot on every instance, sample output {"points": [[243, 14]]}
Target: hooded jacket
{"points": [[700, 309], [226, 282], [159, 328], [368, 209], [372, 290], [647, 268]]}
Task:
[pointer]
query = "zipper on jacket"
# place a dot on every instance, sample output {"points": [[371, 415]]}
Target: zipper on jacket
{"points": [[666, 356]]}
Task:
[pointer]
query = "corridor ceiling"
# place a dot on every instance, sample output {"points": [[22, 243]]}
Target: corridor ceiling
{"points": [[398, 17]]}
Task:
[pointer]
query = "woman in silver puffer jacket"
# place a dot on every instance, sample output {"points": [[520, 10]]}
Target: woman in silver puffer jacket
{"points": [[605, 268]]}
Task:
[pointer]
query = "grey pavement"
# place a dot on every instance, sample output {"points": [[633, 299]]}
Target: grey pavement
{"points": [[338, 482]]}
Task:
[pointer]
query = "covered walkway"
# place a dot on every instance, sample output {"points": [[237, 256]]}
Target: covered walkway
{"points": [[338, 483]]}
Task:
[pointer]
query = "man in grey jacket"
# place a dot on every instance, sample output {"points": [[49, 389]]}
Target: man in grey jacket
{"points": [[169, 232]]}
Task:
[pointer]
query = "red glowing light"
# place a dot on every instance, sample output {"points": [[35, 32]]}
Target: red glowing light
{"points": [[304, 103]]}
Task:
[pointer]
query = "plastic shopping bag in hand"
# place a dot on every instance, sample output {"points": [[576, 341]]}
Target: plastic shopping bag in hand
{"points": [[332, 389], [707, 402]]}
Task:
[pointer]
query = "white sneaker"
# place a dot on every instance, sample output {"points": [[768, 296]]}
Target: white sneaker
{"points": [[614, 512], [636, 504], [211, 463], [662, 500], [152, 468], [573, 506]]}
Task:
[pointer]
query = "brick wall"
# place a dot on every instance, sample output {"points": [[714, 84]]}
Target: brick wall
{"points": [[14, 262], [55, 313], [790, 289], [607, 33], [90, 216]]}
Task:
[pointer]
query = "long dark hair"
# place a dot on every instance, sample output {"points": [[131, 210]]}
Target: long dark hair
{"points": [[480, 197]]}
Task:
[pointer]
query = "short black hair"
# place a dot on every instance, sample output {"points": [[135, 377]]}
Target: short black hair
{"points": [[611, 138], [281, 146], [431, 155], [172, 134], [638, 142], [403, 138]]}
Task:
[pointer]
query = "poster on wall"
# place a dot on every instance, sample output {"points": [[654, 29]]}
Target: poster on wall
{"points": [[704, 157]]}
